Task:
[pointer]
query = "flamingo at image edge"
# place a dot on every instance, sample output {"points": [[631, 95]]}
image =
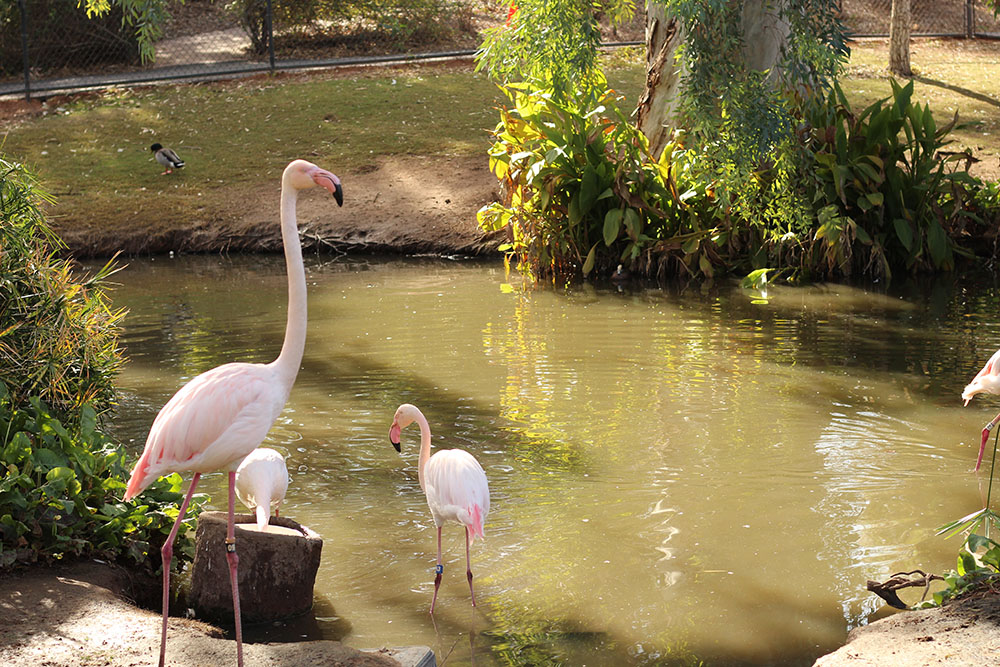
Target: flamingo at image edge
{"points": [[455, 486], [222, 415], [261, 483], [988, 380]]}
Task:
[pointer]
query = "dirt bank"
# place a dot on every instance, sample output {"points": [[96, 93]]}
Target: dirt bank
{"points": [[78, 615], [404, 204], [966, 632]]}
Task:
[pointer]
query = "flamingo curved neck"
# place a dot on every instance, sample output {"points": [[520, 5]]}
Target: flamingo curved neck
{"points": [[288, 362], [425, 447]]}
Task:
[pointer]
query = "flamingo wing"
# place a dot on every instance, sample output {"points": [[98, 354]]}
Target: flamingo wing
{"points": [[457, 489], [215, 419]]}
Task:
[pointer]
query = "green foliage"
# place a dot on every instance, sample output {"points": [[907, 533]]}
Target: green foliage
{"points": [[979, 558], [583, 193], [61, 35], [58, 334], [61, 490], [853, 193], [885, 196], [978, 569], [146, 17], [730, 101], [554, 42]]}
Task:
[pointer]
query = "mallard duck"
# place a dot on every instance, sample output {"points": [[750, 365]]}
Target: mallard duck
{"points": [[167, 158]]}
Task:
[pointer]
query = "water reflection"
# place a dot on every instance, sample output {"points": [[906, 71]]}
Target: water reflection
{"points": [[677, 475]]}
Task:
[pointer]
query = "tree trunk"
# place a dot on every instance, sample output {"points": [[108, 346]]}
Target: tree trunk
{"points": [[899, 38], [764, 35], [657, 108]]}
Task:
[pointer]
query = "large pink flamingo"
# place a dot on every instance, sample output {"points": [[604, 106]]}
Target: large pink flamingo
{"points": [[222, 415], [455, 486], [988, 380]]}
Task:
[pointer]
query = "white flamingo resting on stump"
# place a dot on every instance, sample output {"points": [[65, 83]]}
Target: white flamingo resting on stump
{"points": [[988, 380], [261, 483], [222, 415], [455, 486]]}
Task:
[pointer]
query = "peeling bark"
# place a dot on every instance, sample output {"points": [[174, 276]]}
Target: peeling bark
{"points": [[657, 107]]}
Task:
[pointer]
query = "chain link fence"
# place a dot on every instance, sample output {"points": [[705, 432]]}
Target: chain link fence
{"points": [[51, 46], [931, 18]]}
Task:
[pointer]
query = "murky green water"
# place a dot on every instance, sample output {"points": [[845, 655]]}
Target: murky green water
{"points": [[676, 474]]}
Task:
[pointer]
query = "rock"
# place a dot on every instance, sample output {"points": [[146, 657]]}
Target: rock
{"points": [[277, 569]]}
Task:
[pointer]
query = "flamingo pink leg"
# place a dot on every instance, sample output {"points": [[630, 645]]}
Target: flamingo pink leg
{"points": [[234, 560], [468, 567], [439, 570], [986, 436], [167, 554]]}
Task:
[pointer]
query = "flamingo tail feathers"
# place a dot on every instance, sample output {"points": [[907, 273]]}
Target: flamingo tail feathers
{"points": [[475, 523], [263, 515], [135, 482]]}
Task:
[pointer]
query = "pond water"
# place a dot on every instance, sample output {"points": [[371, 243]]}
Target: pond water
{"points": [[677, 474]]}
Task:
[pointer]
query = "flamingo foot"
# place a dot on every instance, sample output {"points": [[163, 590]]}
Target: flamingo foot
{"points": [[437, 584]]}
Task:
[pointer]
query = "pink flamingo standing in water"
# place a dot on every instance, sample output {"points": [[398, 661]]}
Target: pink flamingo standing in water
{"points": [[222, 415], [455, 486], [987, 380]]}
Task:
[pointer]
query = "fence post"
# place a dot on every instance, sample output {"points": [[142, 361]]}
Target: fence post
{"points": [[26, 62], [970, 18], [270, 34]]}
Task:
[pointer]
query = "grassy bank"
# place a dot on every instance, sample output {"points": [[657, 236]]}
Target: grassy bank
{"points": [[92, 151]]}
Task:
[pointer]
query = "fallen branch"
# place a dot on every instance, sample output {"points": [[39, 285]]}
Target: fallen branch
{"points": [[887, 589]]}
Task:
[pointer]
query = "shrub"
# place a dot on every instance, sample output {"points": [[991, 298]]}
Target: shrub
{"points": [[62, 478], [582, 192], [58, 335], [885, 195], [61, 491], [849, 193]]}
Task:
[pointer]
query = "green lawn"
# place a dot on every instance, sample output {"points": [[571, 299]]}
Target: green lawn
{"points": [[93, 153]]}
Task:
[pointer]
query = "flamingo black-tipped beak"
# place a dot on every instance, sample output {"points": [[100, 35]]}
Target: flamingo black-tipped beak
{"points": [[338, 194], [394, 436]]}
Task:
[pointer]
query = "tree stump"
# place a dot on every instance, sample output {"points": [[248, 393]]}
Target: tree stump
{"points": [[276, 574]]}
